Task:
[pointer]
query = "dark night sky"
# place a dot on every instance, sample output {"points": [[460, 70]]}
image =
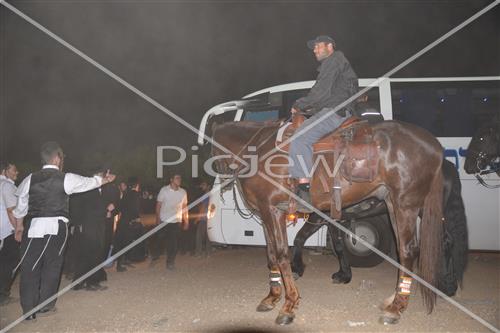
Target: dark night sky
{"points": [[192, 55]]}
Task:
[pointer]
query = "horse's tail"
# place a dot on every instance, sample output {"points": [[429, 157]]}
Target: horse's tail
{"points": [[455, 241], [431, 231]]}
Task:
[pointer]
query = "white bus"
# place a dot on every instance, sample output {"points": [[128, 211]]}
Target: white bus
{"points": [[450, 108]]}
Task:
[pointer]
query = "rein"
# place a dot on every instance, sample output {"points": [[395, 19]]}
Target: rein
{"points": [[494, 168], [244, 215], [244, 146], [234, 180]]}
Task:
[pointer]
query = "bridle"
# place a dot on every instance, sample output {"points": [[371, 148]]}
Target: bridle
{"points": [[234, 181], [492, 165]]}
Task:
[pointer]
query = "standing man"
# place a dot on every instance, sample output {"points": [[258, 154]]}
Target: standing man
{"points": [[9, 248], [111, 194], [171, 208], [43, 197], [88, 214], [336, 82], [203, 245], [122, 187], [130, 213]]}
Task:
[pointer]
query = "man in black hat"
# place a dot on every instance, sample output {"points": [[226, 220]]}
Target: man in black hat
{"points": [[336, 82], [43, 197], [130, 213]]}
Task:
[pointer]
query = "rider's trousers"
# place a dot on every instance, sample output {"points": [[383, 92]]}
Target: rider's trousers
{"points": [[301, 150]]}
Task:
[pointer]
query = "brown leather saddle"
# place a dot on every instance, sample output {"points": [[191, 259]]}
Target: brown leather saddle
{"points": [[355, 154]]}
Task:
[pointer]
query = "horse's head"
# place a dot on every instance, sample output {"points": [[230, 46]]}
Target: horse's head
{"points": [[221, 166], [484, 148], [236, 145]]}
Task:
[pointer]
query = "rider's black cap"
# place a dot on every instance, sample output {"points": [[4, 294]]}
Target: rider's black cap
{"points": [[320, 39]]}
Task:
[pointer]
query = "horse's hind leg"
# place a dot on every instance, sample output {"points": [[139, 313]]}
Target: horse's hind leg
{"points": [[274, 296], [344, 275], [407, 249], [298, 266]]}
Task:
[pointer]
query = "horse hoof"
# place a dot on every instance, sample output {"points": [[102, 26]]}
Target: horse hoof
{"points": [[263, 307], [340, 279], [284, 319], [296, 276], [389, 319]]}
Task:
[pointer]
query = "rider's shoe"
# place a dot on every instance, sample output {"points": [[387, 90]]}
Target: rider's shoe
{"points": [[303, 193], [305, 196]]}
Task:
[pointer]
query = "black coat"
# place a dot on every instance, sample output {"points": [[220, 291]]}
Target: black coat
{"points": [[130, 206], [88, 213]]}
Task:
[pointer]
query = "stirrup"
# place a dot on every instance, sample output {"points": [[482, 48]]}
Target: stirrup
{"points": [[291, 206], [305, 196]]}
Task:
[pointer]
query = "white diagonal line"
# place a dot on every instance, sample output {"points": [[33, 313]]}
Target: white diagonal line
{"points": [[112, 258], [183, 122], [388, 74], [148, 99], [119, 79], [380, 253]]}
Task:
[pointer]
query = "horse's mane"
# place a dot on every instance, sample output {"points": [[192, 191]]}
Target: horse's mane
{"points": [[244, 130]]}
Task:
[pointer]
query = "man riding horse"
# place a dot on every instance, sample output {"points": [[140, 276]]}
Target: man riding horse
{"points": [[336, 82], [392, 161]]}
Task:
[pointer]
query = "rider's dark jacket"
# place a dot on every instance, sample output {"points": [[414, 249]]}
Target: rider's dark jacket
{"points": [[335, 83]]}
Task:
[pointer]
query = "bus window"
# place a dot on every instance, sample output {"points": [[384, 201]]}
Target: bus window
{"points": [[372, 102], [261, 115], [373, 98], [291, 96], [368, 105], [446, 109]]}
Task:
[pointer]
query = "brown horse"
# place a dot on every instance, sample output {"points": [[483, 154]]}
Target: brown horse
{"points": [[409, 179]]}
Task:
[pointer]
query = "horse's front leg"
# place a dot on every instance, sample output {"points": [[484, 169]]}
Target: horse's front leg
{"points": [[396, 304], [298, 266], [274, 296], [344, 275], [286, 314]]}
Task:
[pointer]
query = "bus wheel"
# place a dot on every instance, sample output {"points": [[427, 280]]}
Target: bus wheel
{"points": [[377, 231]]}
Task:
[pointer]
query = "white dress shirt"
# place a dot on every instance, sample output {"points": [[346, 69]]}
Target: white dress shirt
{"points": [[7, 200], [41, 226]]}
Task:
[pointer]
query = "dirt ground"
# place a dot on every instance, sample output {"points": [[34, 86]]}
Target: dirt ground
{"points": [[220, 293]]}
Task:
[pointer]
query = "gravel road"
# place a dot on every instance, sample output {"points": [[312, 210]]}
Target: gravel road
{"points": [[220, 293]]}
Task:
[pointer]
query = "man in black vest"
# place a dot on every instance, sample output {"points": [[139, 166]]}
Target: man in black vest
{"points": [[43, 197]]}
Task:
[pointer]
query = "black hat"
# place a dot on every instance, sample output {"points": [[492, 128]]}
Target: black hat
{"points": [[132, 181], [320, 39]]}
